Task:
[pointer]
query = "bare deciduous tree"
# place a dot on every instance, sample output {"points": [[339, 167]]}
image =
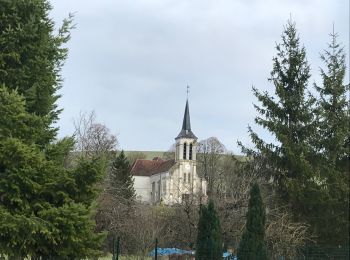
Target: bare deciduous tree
{"points": [[92, 138], [209, 152], [284, 236]]}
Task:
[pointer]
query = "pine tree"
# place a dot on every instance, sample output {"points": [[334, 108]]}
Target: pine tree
{"points": [[252, 245], [209, 241], [333, 148], [121, 179]]}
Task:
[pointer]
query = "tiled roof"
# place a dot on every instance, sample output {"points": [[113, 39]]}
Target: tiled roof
{"points": [[149, 167]]}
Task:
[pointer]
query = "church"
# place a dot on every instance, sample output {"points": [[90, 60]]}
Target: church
{"points": [[171, 181]]}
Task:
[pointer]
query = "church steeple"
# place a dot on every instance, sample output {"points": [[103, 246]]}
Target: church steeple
{"points": [[186, 125]]}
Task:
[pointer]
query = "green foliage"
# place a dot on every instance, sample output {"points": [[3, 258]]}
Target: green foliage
{"points": [[28, 127], [309, 162], [31, 57], [45, 208], [333, 109], [46, 201], [121, 179], [288, 117], [332, 147], [252, 245], [209, 241]]}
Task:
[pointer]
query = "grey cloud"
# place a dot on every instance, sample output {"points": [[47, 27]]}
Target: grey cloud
{"points": [[131, 61]]}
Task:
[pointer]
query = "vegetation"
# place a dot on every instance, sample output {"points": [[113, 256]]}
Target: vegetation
{"points": [[48, 197], [332, 148], [209, 242], [32, 56], [309, 161], [253, 245], [121, 179], [45, 206]]}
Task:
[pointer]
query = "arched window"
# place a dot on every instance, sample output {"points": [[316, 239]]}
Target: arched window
{"points": [[185, 148], [190, 153]]}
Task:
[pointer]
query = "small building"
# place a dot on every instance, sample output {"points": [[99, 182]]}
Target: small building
{"points": [[171, 181]]}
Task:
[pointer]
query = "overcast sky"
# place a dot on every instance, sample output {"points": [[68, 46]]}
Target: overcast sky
{"points": [[130, 61]]}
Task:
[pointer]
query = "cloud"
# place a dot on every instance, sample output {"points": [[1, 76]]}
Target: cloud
{"points": [[130, 61]]}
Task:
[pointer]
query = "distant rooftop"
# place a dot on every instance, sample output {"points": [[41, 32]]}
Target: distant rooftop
{"points": [[144, 167]]}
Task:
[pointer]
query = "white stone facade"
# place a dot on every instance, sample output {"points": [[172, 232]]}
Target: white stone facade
{"points": [[172, 182]]}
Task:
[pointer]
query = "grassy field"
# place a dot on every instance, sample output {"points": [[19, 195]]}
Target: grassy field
{"points": [[149, 154]]}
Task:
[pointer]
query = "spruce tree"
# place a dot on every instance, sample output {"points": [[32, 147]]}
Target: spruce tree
{"points": [[31, 57], [252, 245], [121, 179], [46, 208], [288, 117], [333, 105], [332, 146], [209, 241]]}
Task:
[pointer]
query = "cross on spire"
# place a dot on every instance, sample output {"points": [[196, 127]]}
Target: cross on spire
{"points": [[188, 90]]}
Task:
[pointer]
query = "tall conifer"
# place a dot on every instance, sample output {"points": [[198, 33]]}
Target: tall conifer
{"points": [[209, 241], [252, 245], [121, 179], [32, 56], [332, 146], [288, 117], [45, 207]]}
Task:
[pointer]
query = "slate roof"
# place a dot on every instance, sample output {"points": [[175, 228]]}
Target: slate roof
{"points": [[144, 167], [186, 125]]}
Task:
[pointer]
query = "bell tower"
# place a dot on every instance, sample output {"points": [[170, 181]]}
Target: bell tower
{"points": [[184, 181]]}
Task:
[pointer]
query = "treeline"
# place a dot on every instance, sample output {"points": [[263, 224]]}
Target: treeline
{"points": [[63, 198]]}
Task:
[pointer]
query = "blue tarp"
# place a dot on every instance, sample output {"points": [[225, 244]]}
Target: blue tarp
{"points": [[177, 251], [171, 251], [229, 256]]}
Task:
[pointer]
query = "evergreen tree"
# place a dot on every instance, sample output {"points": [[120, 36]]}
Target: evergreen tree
{"points": [[333, 106], [31, 57], [121, 179], [333, 148], [252, 245], [288, 117], [209, 241], [46, 208]]}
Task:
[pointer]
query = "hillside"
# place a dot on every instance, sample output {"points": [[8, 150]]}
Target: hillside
{"points": [[149, 155]]}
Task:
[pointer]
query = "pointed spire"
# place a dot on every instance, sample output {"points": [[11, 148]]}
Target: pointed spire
{"points": [[186, 125]]}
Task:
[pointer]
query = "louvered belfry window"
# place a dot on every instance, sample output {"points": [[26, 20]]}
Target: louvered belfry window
{"points": [[190, 152], [185, 148]]}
